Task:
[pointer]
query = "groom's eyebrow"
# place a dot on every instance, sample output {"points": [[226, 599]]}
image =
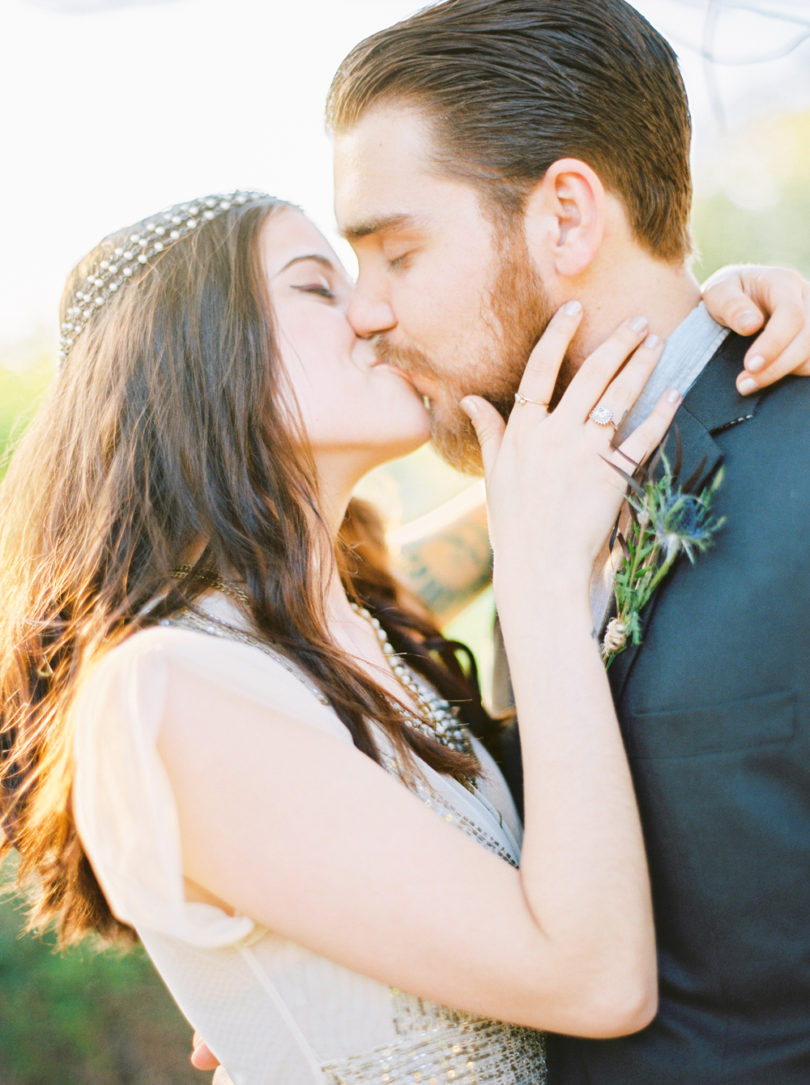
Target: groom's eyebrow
{"points": [[366, 228]]}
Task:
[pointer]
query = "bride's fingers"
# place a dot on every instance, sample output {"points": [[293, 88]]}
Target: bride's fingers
{"points": [[489, 429], [591, 381], [201, 1056], [621, 394], [647, 436], [543, 367]]}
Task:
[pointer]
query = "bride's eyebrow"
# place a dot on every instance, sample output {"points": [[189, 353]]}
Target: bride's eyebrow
{"points": [[316, 256]]}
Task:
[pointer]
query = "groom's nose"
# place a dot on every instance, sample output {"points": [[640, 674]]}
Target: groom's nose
{"points": [[369, 311]]}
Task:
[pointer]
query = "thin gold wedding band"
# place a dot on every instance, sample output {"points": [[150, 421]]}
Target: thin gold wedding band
{"points": [[522, 400]]}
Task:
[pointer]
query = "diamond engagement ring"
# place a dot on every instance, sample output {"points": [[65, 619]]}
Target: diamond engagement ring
{"points": [[522, 400], [602, 416]]}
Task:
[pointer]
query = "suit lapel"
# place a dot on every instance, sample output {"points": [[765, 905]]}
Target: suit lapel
{"points": [[711, 405]]}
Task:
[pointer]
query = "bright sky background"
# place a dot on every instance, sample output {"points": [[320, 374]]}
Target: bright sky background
{"points": [[116, 108]]}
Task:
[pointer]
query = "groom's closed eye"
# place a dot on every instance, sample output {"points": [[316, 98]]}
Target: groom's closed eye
{"points": [[398, 263]]}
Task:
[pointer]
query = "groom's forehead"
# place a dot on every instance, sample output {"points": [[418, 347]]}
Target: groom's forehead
{"points": [[387, 179], [379, 159]]}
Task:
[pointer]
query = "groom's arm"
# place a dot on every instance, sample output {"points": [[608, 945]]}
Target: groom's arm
{"points": [[445, 556], [748, 298]]}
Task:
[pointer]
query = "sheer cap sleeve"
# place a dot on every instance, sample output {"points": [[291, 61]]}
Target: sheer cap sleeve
{"points": [[123, 803]]}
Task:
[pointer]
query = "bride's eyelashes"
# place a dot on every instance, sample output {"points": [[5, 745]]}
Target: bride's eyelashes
{"points": [[316, 288]]}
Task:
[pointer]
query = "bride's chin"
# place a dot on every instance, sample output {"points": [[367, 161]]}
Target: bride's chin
{"points": [[393, 448], [424, 433], [408, 445], [412, 428]]}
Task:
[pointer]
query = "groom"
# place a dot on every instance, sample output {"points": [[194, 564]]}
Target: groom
{"points": [[493, 159]]}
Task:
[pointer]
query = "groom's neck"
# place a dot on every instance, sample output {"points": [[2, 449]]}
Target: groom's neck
{"points": [[637, 286]]}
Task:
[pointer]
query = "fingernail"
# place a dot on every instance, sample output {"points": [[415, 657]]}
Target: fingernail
{"points": [[470, 407], [746, 385], [651, 342], [639, 323], [747, 319], [674, 396], [572, 308], [753, 365]]}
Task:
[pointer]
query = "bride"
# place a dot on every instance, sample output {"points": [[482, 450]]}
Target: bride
{"points": [[226, 727]]}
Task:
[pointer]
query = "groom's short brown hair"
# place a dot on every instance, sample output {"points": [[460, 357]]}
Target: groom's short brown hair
{"points": [[510, 86]]}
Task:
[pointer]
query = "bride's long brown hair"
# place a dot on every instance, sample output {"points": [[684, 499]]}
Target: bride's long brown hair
{"points": [[167, 425]]}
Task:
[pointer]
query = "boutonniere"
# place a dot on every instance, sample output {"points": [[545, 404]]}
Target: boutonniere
{"points": [[666, 520]]}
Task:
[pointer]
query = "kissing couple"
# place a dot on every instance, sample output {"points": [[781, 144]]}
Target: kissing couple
{"points": [[229, 729]]}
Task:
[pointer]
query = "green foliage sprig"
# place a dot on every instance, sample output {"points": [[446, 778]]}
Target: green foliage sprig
{"points": [[666, 520]]}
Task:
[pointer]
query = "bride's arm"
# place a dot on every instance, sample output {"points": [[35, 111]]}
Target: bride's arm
{"points": [[315, 842], [320, 845]]}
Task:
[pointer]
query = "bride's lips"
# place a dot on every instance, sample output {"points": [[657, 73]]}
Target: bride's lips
{"points": [[396, 370], [425, 396]]}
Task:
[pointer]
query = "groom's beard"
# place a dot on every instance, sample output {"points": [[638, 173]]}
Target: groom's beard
{"points": [[517, 315]]}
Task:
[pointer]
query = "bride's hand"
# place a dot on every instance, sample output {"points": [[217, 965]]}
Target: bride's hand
{"points": [[552, 493]]}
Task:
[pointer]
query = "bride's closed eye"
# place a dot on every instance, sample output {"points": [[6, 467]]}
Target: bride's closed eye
{"points": [[320, 289]]}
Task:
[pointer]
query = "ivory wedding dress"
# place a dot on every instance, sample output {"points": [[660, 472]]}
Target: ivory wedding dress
{"points": [[273, 1012]]}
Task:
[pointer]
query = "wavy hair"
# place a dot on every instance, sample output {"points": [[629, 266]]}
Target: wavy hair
{"points": [[168, 424]]}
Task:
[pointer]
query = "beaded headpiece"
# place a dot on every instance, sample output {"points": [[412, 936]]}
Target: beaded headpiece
{"points": [[151, 238]]}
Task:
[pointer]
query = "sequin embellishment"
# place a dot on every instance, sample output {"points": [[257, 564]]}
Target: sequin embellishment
{"points": [[437, 1046]]}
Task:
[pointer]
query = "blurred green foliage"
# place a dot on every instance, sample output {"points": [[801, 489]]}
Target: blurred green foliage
{"points": [[21, 388], [753, 197], [83, 1018]]}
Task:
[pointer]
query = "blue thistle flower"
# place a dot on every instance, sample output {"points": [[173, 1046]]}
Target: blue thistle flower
{"points": [[666, 521]]}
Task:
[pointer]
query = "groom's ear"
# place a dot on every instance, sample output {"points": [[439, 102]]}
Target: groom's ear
{"points": [[565, 218]]}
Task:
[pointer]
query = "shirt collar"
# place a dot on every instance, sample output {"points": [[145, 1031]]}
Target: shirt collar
{"points": [[688, 350]]}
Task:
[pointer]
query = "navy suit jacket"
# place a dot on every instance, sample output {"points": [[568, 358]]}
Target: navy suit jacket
{"points": [[715, 711]]}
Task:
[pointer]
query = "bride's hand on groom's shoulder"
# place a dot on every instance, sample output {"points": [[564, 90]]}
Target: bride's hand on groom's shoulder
{"points": [[749, 298], [553, 491]]}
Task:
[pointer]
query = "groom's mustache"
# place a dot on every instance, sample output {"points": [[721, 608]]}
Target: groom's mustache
{"points": [[411, 360], [499, 390]]}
